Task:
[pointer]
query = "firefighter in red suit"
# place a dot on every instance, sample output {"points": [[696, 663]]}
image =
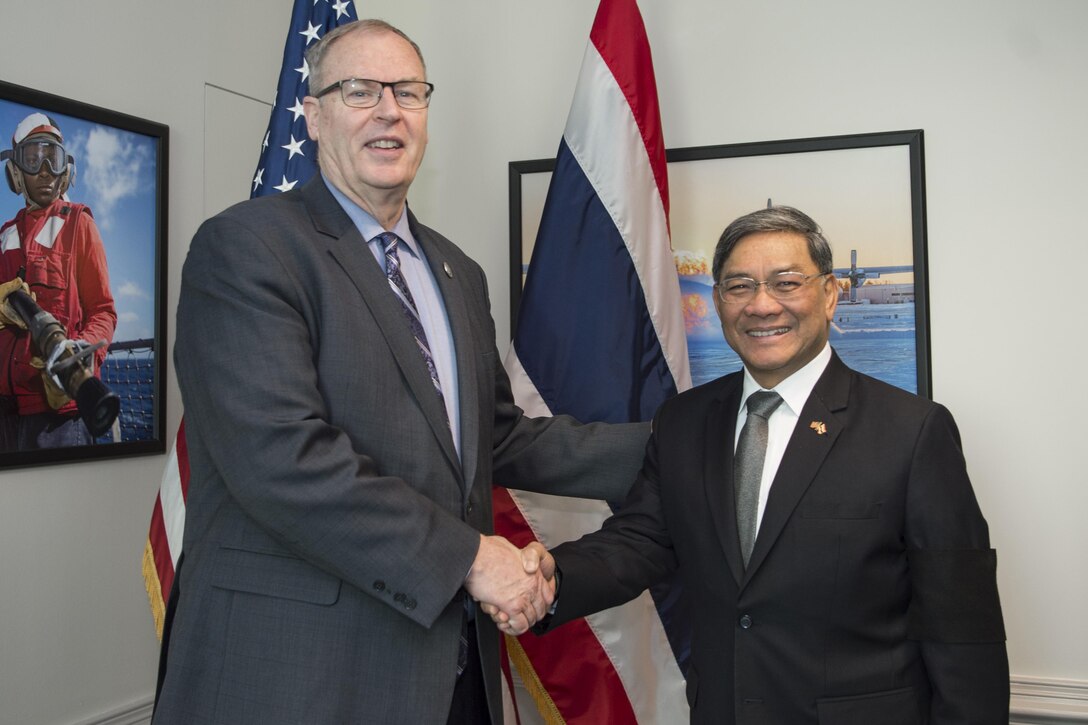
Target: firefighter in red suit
{"points": [[52, 249]]}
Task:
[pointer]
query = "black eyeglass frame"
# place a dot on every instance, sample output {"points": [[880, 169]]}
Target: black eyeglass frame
{"points": [[384, 85]]}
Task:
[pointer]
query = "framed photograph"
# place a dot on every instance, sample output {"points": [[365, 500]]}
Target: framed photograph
{"points": [[83, 209], [866, 191]]}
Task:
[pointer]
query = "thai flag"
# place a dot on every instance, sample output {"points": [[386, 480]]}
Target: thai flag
{"points": [[601, 336]]}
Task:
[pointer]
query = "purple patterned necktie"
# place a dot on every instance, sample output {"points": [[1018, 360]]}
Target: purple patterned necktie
{"points": [[389, 242]]}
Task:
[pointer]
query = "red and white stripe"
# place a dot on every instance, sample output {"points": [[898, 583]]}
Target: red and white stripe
{"points": [[616, 666], [164, 536]]}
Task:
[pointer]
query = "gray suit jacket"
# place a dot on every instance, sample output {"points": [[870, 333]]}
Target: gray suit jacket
{"points": [[330, 523]]}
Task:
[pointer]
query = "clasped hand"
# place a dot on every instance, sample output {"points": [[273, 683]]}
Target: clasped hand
{"points": [[515, 587]]}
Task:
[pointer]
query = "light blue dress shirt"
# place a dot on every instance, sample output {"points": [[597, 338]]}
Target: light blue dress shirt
{"points": [[432, 310]]}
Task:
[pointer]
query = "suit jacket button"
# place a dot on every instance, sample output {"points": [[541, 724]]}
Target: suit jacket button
{"points": [[379, 586], [410, 604], [469, 509], [745, 622]]}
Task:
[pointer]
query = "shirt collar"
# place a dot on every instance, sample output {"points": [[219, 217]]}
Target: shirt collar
{"points": [[367, 225], [797, 387]]}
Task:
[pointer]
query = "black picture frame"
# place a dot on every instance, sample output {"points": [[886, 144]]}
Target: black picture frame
{"points": [[122, 175], [866, 190]]}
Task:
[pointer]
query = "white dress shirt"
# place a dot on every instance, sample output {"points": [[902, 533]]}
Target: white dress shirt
{"points": [[794, 391]]}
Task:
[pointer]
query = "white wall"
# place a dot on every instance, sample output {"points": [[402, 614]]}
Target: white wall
{"points": [[1001, 91], [76, 636], [998, 86]]}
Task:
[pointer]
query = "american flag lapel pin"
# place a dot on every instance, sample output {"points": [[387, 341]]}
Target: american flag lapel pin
{"points": [[819, 427]]}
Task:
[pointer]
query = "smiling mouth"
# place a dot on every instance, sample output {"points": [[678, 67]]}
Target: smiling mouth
{"points": [[384, 143], [768, 333]]}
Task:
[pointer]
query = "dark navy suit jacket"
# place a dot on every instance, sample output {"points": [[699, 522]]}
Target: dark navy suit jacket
{"points": [[870, 597]]}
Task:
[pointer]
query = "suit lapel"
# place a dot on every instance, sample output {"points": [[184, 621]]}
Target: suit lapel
{"points": [[807, 449], [347, 246], [721, 427], [452, 278]]}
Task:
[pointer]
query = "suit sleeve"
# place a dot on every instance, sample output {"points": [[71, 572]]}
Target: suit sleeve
{"points": [[631, 552], [246, 362], [558, 455], [955, 612]]}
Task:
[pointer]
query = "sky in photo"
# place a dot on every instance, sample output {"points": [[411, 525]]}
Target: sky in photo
{"points": [[115, 177]]}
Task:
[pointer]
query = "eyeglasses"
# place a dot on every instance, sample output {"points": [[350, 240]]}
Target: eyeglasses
{"points": [[366, 93], [32, 154], [782, 286]]}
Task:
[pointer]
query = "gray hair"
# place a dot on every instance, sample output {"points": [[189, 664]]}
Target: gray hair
{"points": [[774, 219], [315, 55]]}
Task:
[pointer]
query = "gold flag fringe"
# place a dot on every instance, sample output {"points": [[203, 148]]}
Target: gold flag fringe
{"points": [[154, 589], [535, 687]]}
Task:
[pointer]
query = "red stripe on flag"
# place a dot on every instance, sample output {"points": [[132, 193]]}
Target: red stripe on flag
{"points": [[158, 536], [183, 461], [620, 37], [570, 658], [160, 548]]}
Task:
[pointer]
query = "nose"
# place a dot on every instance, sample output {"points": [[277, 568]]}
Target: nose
{"points": [[762, 303], [387, 104]]}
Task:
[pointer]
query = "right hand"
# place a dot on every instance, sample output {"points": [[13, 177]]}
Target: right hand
{"points": [[534, 558], [511, 587]]}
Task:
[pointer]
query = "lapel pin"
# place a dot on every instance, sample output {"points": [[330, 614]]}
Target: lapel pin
{"points": [[819, 427], [447, 269]]}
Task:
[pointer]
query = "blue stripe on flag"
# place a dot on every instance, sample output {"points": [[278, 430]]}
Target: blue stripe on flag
{"points": [[585, 337]]}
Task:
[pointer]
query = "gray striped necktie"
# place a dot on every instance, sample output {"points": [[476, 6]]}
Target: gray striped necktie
{"points": [[748, 466]]}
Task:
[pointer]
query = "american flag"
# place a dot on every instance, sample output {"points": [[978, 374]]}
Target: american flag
{"points": [[287, 152], [287, 159]]}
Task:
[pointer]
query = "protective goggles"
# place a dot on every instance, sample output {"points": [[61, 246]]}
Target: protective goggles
{"points": [[30, 155]]}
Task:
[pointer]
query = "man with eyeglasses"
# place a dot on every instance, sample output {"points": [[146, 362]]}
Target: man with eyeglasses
{"points": [[831, 551], [346, 415], [51, 249]]}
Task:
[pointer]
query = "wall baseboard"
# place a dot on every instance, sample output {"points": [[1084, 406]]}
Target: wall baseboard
{"points": [[1043, 701], [1035, 701]]}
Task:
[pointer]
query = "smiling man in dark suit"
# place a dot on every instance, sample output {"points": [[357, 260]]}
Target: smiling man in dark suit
{"points": [[835, 562], [346, 415]]}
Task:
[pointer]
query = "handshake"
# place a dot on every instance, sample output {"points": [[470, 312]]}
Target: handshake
{"points": [[515, 587]]}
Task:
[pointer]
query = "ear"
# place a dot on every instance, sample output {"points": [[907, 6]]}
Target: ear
{"points": [[311, 108], [14, 177], [716, 300], [831, 291]]}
